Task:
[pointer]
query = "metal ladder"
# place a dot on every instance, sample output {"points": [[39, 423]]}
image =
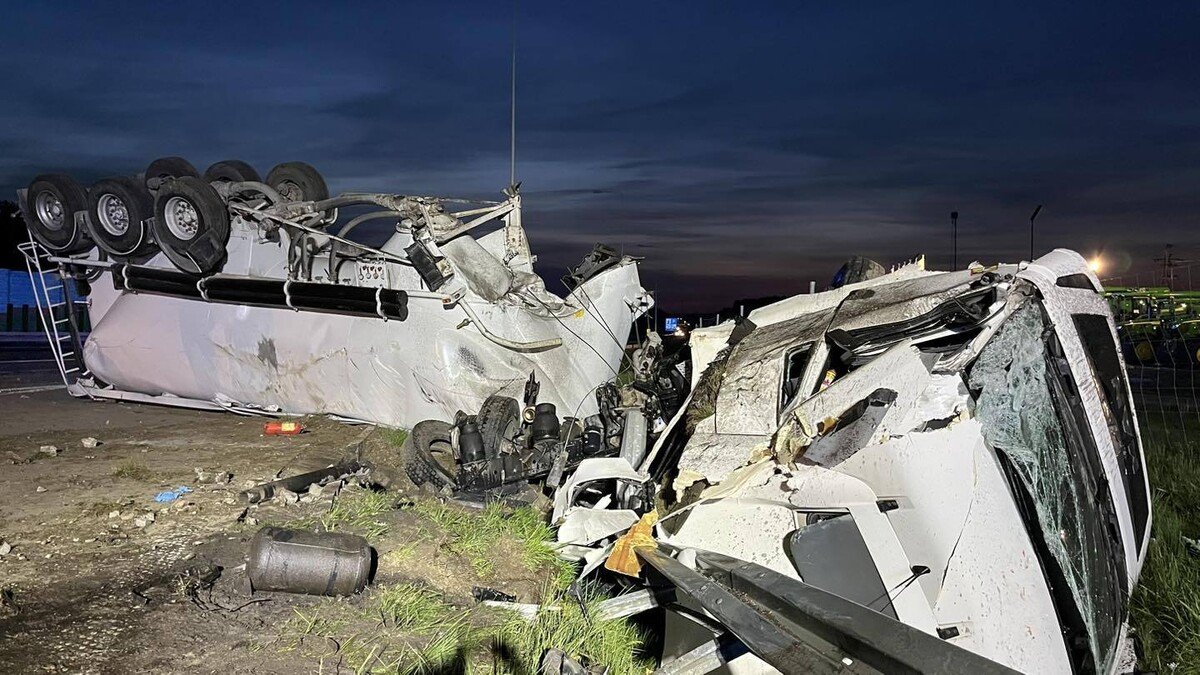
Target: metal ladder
{"points": [[59, 312]]}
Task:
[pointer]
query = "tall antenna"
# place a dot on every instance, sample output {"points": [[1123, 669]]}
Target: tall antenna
{"points": [[512, 166]]}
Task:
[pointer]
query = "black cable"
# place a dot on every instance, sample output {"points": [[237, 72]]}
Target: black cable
{"points": [[596, 316], [577, 336]]}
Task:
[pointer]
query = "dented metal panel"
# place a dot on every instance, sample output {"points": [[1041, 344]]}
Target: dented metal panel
{"points": [[941, 410], [482, 334]]}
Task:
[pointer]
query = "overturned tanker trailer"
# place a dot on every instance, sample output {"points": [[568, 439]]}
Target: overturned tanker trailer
{"points": [[229, 291], [923, 472]]}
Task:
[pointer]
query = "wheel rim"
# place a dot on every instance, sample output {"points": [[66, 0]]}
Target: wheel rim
{"points": [[113, 214], [290, 191], [181, 218], [50, 210]]}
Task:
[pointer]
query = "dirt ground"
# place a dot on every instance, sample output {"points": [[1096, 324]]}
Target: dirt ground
{"points": [[97, 576]]}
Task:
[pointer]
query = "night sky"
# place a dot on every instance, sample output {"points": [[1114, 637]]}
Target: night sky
{"points": [[742, 148]]}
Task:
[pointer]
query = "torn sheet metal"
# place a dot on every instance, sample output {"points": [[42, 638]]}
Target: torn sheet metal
{"points": [[591, 471], [956, 419], [588, 526]]}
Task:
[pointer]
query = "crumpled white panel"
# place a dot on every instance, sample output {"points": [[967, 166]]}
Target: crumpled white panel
{"points": [[591, 470], [390, 372], [586, 526]]}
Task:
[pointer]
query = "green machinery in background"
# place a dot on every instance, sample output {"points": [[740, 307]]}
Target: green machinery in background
{"points": [[1157, 326]]}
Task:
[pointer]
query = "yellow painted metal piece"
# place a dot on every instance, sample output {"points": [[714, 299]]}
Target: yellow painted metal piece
{"points": [[623, 558]]}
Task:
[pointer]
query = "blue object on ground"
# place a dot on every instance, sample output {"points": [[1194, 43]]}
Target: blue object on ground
{"points": [[172, 495]]}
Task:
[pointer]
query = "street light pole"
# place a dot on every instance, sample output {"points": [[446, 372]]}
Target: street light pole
{"points": [[954, 236], [1031, 219]]}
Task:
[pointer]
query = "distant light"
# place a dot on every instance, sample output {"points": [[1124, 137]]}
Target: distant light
{"points": [[1095, 265]]}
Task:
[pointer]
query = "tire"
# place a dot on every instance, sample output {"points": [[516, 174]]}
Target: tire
{"points": [[233, 170], [168, 167], [50, 206], [417, 456], [117, 212], [191, 225], [499, 422], [298, 182]]}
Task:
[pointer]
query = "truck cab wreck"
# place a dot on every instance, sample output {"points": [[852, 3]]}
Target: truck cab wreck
{"points": [[230, 291], [920, 472]]}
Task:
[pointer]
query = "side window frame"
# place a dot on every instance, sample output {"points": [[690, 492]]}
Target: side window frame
{"points": [[784, 400]]}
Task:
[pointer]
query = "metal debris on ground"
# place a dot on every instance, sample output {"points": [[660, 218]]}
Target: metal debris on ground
{"points": [[481, 593], [557, 662], [317, 563], [300, 482]]}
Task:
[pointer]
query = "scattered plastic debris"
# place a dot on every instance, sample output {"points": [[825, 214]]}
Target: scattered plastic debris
{"points": [[1192, 546], [51, 450], [90, 442], [283, 428], [482, 593], [171, 495]]}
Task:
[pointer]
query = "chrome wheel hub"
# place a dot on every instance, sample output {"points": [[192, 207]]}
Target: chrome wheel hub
{"points": [[181, 218], [113, 214], [50, 210]]}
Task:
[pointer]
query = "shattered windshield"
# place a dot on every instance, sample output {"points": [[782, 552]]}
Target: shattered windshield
{"points": [[1031, 415]]}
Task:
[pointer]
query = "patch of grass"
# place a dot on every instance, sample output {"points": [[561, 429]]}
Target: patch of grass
{"points": [[478, 536], [1166, 605], [412, 607], [410, 630], [395, 558], [133, 469], [395, 437], [404, 629], [566, 626], [357, 511]]}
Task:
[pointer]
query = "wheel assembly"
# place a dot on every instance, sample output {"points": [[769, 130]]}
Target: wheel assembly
{"points": [[118, 211], [428, 456], [191, 225], [488, 460], [232, 170], [298, 182], [51, 203], [168, 167]]}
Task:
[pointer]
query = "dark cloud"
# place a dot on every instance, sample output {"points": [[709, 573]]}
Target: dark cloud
{"points": [[743, 150]]}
